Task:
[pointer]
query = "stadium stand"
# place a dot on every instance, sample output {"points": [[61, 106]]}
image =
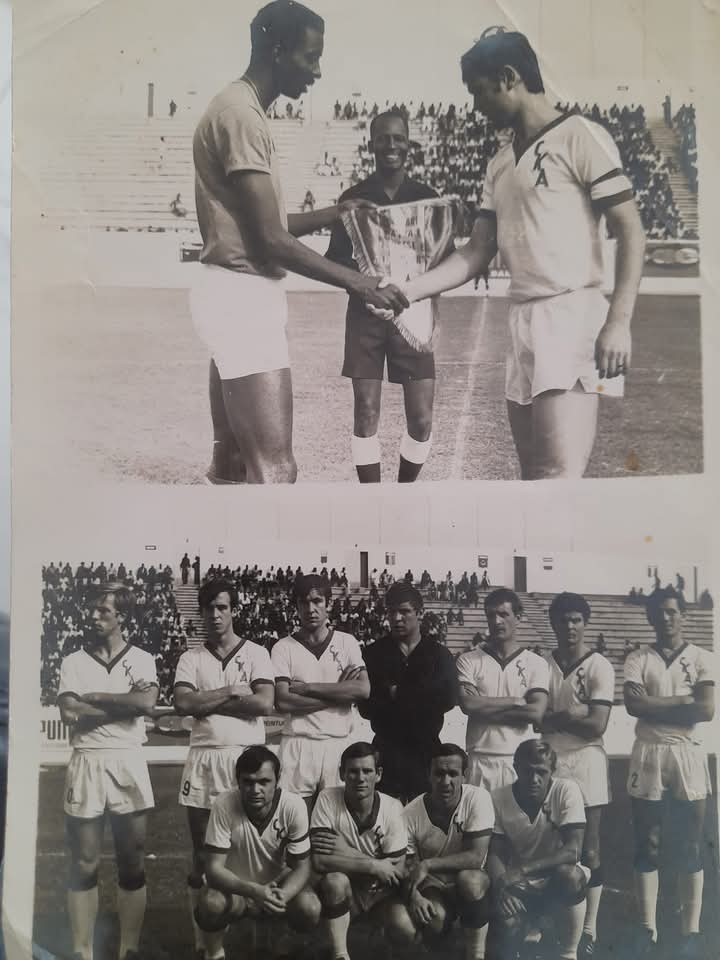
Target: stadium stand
{"points": [[166, 620], [124, 175]]}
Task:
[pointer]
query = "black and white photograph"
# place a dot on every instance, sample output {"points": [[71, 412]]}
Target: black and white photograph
{"points": [[234, 224]]}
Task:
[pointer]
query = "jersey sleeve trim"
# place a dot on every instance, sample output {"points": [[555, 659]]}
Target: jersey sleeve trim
{"points": [[213, 849], [602, 703], [537, 690], [300, 839], [185, 683], [603, 203], [262, 681], [484, 212], [474, 834], [68, 693], [393, 853], [297, 857], [615, 172], [283, 680], [705, 683], [573, 825]]}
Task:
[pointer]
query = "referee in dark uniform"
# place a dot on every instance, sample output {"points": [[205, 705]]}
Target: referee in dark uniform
{"points": [[371, 340]]}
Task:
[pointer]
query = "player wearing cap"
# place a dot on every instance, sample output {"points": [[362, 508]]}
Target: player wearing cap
{"points": [[503, 691], [582, 689], [320, 674], [534, 859], [669, 687], [104, 693], [449, 832], [370, 340], [258, 851], [238, 300], [544, 199], [226, 686], [359, 841]]}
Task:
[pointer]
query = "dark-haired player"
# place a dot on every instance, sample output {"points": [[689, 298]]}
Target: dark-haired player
{"points": [[413, 685], [320, 674], [582, 689], [449, 832], [226, 686], [371, 340], [544, 198], [503, 691], [669, 687], [104, 693], [257, 851], [238, 301], [359, 841], [534, 859]]}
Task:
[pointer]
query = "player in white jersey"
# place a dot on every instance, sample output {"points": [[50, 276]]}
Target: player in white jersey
{"points": [[226, 686], [544, 197], [534, 859], [257, 851], [582, 689], [104, 693], [320, 674], [669, 687], [359, 841], [449, 832], [503, 691]]}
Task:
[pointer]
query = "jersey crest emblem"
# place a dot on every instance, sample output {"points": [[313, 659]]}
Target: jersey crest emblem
{"points": [[521, 672], [580, 688], [541, 180]]}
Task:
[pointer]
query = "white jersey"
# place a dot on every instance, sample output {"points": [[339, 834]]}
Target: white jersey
{"points": [[524, 672], [474, 816], [590, 680], [383, 834], [82, 672], [533, 839], [293, 660], [258, 852], [202, 668], [548, 206], [689, 667]]}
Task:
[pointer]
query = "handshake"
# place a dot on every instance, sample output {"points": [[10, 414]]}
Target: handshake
{"points": [[385, 298]]}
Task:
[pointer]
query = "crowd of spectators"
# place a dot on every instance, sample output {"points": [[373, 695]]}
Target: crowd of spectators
{"points": [[67, 598], [684, 125]]}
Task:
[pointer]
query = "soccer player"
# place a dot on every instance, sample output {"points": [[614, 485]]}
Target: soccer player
{"points": [[105, 691], [544, 197], [534, 859], [582, 689], [319, 675], [258, 851], [370, 339], [226, 686], [449, 832], [359, 841], [413, 685], [669, 687], [238, 302], [503, 691]]}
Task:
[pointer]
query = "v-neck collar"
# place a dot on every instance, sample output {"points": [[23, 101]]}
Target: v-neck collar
{"points": [[263, 825], [109, 664], [317, 652], [498, 659], [228, 657], [536, 136], [540, 808], [669, 661], [566, 671], [433, 820], [364, 825]]}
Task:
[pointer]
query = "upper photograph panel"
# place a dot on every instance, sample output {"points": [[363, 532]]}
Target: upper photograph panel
{"points": [[358, 242]]}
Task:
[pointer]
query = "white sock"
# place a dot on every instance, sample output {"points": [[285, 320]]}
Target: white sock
{"points": [[365, 450], [82, 911], [569, 925], [592, 895], [646, 890], [415, 451], [338, 929], [194, 897], [131, 912], [690, 893], [475, 942]]}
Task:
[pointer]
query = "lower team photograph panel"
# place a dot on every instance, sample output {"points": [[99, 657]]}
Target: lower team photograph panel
{"points": [[382, 753]]}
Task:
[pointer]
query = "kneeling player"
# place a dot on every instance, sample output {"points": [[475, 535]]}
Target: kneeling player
{"points": [[582, 688], [669, 688], [448, 838], [534, 859], [359, 841], [257, 851]]}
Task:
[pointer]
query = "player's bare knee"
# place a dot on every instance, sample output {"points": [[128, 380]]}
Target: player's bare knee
{"points": [[569, 883], [472, 885], [419, 426], [213, 910], [84, 873], [399, 927], [591, 856], [690, 857], [647, 851], [304, 911], [334, 888]]}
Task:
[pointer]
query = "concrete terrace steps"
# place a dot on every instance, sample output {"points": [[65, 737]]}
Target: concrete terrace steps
{"points": [[667, 142], [186, 600]]}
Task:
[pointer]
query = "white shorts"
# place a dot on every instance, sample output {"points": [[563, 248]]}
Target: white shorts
{"points": [[308, 765], [588, 767], [241, 318], [208, 772], [553, 346], [116, 781], [490, 770], [678, 769]]}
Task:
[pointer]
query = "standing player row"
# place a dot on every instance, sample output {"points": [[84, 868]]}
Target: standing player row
{"points": [[404, 686]]}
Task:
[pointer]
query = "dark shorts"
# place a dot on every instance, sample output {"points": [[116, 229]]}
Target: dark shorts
{"points": [[369, 341]]}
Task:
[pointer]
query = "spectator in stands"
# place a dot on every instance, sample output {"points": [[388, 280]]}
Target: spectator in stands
{"points": [[337, 110], [185, 568], [308, 204], [172, 109], [196, 571], [485, 582], [177, 207], [706, 601]]}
